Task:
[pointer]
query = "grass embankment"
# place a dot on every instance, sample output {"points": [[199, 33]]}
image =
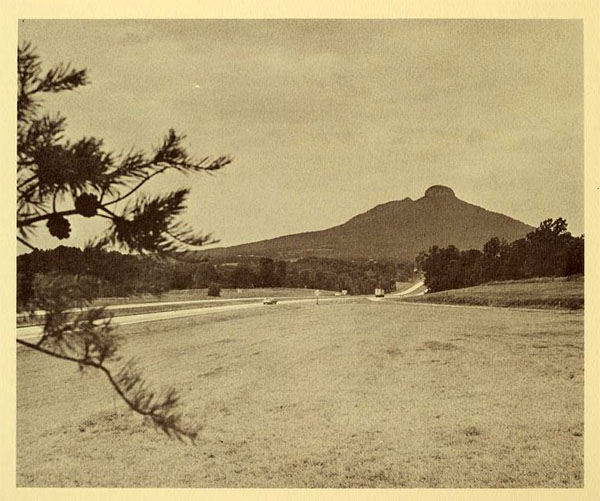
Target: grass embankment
{"points": [[547, 293], [352, 394]]}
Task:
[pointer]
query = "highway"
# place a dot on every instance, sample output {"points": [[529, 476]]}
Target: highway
{"points": [[35, 331], [417, 289]]}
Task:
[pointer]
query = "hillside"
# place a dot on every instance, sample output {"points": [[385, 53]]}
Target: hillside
{"points": [[548, 293], [398, 229]]}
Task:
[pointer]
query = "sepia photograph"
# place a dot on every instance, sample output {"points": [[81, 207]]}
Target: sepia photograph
{"points": [[300, 253]]}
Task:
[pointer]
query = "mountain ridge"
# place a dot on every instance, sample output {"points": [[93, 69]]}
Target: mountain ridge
{"points": [[398, 229]]}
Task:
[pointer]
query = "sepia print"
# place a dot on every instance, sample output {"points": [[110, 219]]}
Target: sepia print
{"points": [[300, 253]]}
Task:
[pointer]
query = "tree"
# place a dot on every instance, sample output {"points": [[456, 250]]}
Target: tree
{"points": [[576, 262], [548, 249], [266, 272], [440, 266], [515, 261], [58, 179], [494, 259], [242, 276], [280, 273], [214, 290]]}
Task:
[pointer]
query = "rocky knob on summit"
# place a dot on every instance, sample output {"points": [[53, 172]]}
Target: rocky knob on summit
{"points": [[397, 230], [439, 191]]}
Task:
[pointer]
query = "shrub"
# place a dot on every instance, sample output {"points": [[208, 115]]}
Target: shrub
{"points": [[214, 290]]}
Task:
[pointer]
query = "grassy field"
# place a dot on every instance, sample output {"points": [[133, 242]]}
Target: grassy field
{"points": [[549, 293], [353, 394]]}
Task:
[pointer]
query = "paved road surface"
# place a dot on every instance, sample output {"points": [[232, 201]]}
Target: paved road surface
{"points": [[417, 289], [126, 306], [35, 331]]}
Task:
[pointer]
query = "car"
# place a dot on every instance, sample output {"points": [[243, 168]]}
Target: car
{"points": [[269, 300]]}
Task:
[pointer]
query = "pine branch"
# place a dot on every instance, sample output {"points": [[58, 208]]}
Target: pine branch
{"points": [[142, 402], [27, 181], [170, 155], [135, 188], [61, 77], [50, 167], [26, 243], [42, 217]]}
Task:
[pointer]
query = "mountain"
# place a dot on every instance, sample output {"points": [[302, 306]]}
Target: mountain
{"points": [[398, 229]]}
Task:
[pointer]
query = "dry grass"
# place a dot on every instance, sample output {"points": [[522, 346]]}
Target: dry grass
{"points": [[548, 293], [365, 394]]}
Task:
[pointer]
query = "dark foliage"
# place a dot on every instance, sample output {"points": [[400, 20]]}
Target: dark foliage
{"points": [[548, 251], [118, 275], [214, 290], [58, 179]]}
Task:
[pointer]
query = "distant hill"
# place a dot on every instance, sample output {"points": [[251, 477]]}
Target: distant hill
{"points": [[398, 229]]}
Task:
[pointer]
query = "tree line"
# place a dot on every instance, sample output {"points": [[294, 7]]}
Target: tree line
{"points": [[548, 251], [116, 274]]}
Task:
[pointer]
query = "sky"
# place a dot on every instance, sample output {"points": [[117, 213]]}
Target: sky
{"points": [[327, 118]]}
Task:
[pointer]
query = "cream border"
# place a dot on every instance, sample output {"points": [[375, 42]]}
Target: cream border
{"points": [[588, 10]]}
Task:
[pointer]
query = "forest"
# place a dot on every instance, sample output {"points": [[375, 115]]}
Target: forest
{"points": [[114, 274], [548, 251]]}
